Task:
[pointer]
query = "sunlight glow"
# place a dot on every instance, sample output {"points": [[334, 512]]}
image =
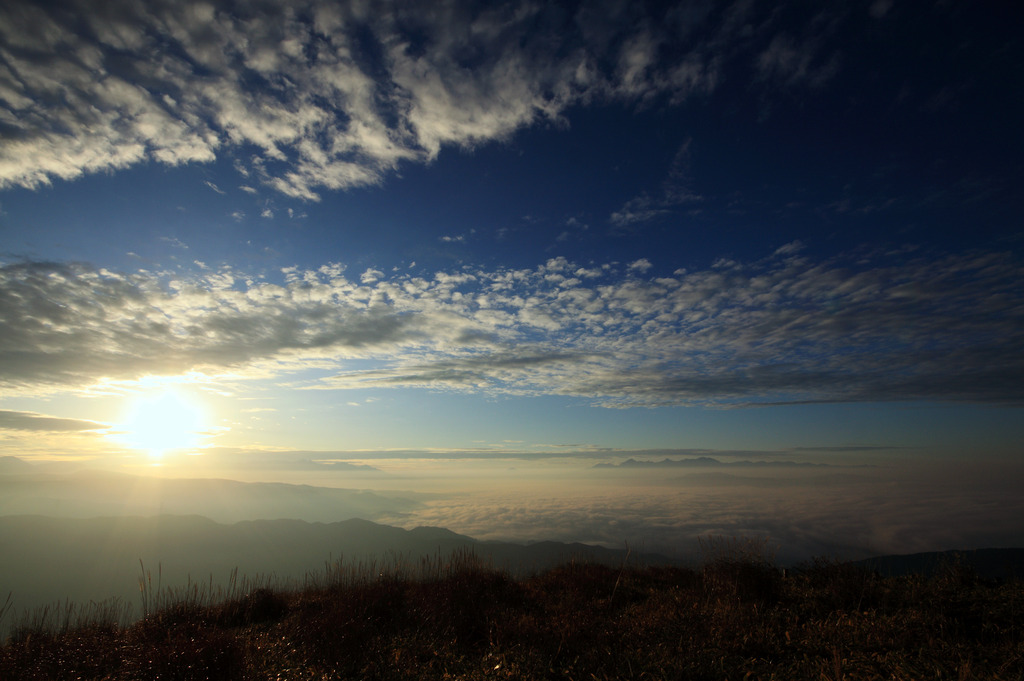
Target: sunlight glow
{"points": [[162, 421]]}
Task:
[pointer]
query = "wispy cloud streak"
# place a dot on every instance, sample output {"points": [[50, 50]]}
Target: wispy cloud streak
{"points": [[33, 422]]}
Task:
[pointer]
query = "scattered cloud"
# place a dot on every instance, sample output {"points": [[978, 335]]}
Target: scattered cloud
{"points": [[795, 63], [804, 57], [641, 265], [175, 242], [458, 238], [214, 187], [331, 96], [879, 8], [791, 248], [638, 209], [779, 330], [675, 191], [370, 276], [31, 421], [574, 229]]}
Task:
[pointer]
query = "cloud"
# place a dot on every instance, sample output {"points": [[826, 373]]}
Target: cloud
{"points": [[784, 329], [641, 265], [479, 371], [638, 209], [795, 64], [791, 248], [370, 276], [806, 57], [675, 191], [31, 421], [175, 242], [320, 96], [71, 324]]}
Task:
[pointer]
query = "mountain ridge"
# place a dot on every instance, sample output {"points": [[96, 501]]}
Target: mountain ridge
{"points": [[92, 493], [987, 563], [48, 559], [709, 462]]}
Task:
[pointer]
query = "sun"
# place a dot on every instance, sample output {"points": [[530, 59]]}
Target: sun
{"points": [[162, 421]]}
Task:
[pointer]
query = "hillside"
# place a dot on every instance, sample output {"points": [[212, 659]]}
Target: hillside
{"points": [[1004, 563], [46, 559], [734, 619], [28, 489]]}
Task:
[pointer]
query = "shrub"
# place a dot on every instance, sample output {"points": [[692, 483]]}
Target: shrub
{"points": [[740, 569], [465, 620], [258, 606], [838, 585]]}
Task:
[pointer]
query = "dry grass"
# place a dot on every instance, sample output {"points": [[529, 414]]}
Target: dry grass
{"points": [[455, 618]]}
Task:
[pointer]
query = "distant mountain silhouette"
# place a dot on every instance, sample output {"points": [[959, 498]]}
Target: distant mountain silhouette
{"points": [[87, 494], [707, 462], [721, 479], [985, 563], [12, 464]]}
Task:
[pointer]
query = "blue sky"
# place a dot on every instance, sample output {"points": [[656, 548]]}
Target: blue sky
{"points": [[586, 227]]}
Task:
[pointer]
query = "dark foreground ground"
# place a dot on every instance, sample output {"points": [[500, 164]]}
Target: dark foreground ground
{"points": [[732, 619]]}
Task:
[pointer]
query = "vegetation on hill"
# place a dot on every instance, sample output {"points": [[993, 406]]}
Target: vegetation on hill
{"points": [[737, 617]]}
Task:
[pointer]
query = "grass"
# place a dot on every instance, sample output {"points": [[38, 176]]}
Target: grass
{"points": [[737, 617]]}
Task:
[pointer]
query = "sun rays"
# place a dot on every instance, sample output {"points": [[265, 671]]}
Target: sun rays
{"points": [[161, 421]]}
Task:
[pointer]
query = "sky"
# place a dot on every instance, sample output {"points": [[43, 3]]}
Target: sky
{"points": [[466, 233]]}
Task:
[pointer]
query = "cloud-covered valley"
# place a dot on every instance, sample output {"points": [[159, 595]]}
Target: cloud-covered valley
{"points": [[869, 512]]}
